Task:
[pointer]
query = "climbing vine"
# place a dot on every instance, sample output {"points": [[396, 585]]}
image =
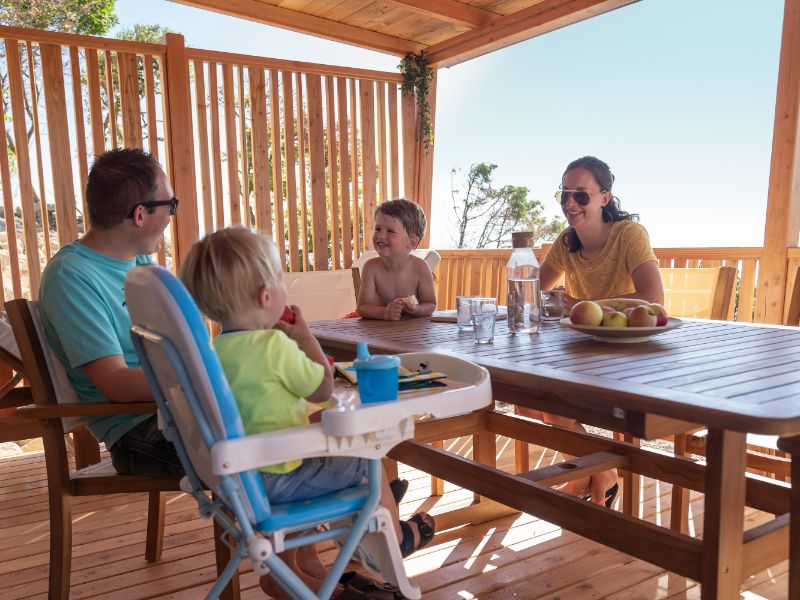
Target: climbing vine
{"points": [[417, 78]]}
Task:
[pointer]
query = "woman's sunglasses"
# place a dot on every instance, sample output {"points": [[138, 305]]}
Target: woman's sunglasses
{"points": [[579, 196]]}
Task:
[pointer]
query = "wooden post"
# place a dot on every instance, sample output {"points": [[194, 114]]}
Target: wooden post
{"points": [[783, 202], [424, 169], [180, 147]]}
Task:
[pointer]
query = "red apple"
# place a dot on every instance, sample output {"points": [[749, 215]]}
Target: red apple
{"points": [[586, 312], [642, 316], [288, 315], [661, 314]]}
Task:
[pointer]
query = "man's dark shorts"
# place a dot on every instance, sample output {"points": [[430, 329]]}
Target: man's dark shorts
{"points": [[145, 451]]}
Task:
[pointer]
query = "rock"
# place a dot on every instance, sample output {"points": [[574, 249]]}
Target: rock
{"points": [[9, 449]]}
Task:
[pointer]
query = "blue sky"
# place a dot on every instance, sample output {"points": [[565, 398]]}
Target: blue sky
{"points": [[678, 96]]}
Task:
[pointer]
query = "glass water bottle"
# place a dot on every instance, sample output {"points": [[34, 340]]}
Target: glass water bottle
{"points": [[522, 274]]}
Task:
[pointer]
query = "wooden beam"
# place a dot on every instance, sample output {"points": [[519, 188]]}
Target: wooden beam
{"points": [[541, 18], [304, 23], [450, 10], [782, 227]]}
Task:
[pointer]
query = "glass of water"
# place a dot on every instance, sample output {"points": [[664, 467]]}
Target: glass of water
{"points": [[484, 317], [552, 305], [464, 312]]}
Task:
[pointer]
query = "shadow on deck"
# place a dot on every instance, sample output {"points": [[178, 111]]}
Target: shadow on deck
{"points": [[517, 556]]}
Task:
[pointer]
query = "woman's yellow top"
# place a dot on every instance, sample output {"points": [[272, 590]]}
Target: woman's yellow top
{"points": [[607, 275]]}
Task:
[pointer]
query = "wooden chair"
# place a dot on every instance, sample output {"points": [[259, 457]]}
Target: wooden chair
{"points": [[702, 293], [429, 256], [12, 426], [97, 479]]}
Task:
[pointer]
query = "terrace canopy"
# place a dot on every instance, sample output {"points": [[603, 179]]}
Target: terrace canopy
{"points": [[453, 31]]}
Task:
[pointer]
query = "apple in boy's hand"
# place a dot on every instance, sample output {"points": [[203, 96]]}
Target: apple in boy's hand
{"points": [[288, 315], [586, 312]]}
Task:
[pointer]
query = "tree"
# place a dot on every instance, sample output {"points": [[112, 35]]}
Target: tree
{"points": [[87, 17], [486, 216]]}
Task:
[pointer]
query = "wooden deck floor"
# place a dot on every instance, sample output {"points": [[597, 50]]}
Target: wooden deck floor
{"points": [[514, 557]]}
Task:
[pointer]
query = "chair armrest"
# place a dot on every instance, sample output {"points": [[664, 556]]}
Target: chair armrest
{"points": [[254, 451], [100, 409], [16, 397]]}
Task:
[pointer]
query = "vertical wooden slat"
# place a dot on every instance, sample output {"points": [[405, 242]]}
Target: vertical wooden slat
{"points": [[112, 110], [213, 100], [409, 114], [80, 126], [747, 291], [330, 114], [355, 162], [201, 104], [277, 168], [424, 183], [301, 139], [231, 147], [180, 150], [60, 155], [344, 173], [167, 162], [8, 207], [38, 144], [30, 236], [152, 129], [260, 145], [383, 171], [319, 231], [394, 154], [291, 171], [244, 158], [95, 103], [367, 97], [130, 107]]}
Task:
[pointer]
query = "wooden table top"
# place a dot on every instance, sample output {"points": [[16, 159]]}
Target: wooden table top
{"points": [[726, 375]]}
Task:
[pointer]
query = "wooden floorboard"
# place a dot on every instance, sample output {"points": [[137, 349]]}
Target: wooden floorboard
{"points": [[517, 556]]}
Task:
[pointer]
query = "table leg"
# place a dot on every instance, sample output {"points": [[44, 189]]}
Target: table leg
{"points": [[724, 515], [794, 531]]}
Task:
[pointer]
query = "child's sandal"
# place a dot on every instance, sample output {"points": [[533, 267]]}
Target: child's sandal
{"points": [[427, 528]]}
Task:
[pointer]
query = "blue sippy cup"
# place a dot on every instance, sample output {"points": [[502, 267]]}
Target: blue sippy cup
{"points": [[378, 378]]}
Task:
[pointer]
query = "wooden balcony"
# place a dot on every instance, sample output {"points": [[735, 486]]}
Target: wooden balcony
{"points": [[515, 556]]}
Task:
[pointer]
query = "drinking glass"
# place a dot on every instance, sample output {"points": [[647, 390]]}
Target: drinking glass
{"points": [[552, 305], [464, 312], [484, 317]]}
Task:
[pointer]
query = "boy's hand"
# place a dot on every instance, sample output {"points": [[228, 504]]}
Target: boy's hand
{"points": [[393, 310], [297, 328]]}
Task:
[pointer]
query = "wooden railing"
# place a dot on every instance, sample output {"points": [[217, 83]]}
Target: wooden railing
{"points": [[302, 151], [462, 272]]}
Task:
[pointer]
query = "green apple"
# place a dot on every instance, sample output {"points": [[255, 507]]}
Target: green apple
{"points": [[586, 312], [615, 319]]}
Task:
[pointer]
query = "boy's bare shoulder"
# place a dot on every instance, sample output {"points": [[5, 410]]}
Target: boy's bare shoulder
{"points": [[418, 263]]}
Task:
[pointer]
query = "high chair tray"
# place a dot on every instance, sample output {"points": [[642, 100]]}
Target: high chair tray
{"points": [[468, 389]]}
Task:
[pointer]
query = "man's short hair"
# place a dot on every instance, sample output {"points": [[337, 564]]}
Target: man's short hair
{"points": [[226, 270], [410, 214], [119, 180]]}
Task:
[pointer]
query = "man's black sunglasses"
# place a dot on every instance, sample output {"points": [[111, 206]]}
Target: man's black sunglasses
{"points": [[172, 203]]}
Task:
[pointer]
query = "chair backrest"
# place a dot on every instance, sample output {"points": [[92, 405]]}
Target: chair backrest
{"points": [[187, 379], [48, 377], [321, 294], [703, 293], [431, 257], [793, 312]]}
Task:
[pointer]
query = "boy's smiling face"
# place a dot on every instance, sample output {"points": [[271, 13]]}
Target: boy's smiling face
{"points": [[390, 237]]}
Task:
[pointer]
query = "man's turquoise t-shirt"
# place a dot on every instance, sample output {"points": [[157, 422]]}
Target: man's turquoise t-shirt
{"points": [[82, 305]]}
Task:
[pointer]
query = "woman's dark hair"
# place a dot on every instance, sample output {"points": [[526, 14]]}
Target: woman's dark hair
{"points": [[605, 179]]}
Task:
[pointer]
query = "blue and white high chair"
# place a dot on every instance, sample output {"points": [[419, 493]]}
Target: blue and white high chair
{"points": [[199, 415]]}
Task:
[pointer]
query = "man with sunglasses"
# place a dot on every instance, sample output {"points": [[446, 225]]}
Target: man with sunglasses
{"points": [[82, 304]]}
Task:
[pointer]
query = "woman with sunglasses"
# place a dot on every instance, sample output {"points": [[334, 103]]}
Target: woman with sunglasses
{"points": [[604, 253]]}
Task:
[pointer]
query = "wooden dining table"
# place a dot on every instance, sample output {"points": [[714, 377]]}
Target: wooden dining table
{"points": [[731, 378]]}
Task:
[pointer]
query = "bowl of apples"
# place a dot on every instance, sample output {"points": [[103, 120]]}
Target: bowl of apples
{"points": [[620, 320]]}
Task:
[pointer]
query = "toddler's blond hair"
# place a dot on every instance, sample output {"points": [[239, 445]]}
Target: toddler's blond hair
{"points": [[226, 270]]}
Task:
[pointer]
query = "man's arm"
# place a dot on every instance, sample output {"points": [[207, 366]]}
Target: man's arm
{"points": [[118, 382]]}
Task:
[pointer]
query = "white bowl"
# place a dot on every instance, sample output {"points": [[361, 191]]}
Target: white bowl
{"points": [[622, 335]]}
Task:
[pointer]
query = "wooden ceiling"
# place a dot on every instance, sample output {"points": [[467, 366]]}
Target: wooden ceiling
{"points": [[451, 31]]}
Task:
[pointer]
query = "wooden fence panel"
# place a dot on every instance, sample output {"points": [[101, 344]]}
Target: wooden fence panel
{"points": [[368, 159], [34, 104], [330, 118], [231, 147], [95, 102], [80, 128], [302, 150], [216, 159], [383, 170], [129, 100], [355, 161], [277, 163], [245, 161], [60, 159], [344, 172], [316, 147], [201, 106], [291, 174], [108, 67], [260, 145], [8, 207]]}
